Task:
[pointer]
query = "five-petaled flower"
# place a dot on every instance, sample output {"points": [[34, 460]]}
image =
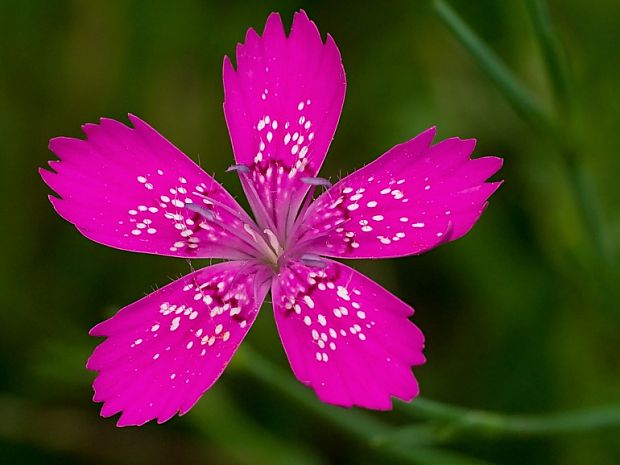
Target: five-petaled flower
{"points": [[344, 335]]}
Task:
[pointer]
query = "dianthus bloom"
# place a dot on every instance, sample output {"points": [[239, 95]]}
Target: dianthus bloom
{"points": [[344, 335]]}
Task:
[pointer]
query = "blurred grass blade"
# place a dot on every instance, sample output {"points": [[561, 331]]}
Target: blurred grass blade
{"points": [[79, 435], [429, 456], [410, 436], [221, 421], [552, 55], [524, 103], [425, 409], [561, 85], [363, 426], [357, 423], [515, 92]]}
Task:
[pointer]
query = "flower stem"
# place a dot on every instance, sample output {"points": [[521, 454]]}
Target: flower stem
{"points": [[550, 48], [440, 422], [560, 132], [508, 84], [357, 423], [360, 425], [568, 146], [497, 424]]}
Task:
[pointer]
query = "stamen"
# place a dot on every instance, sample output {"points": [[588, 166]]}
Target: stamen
{"points": [[258, 207], [292, 220], [273, 241], [250, 231], [260, 243], [202, 211], [312, 260], [317, 181], [211, 216], [241, 168]]}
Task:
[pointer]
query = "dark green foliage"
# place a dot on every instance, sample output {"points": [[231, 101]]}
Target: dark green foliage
{"points": [[522, 315]]}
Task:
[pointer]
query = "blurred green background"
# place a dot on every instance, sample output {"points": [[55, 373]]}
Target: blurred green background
{"points": [[521, 316]]}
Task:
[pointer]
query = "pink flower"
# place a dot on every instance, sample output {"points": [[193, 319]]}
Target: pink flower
{"points": [[344, 335]]}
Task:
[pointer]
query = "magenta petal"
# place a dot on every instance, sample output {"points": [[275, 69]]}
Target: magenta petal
{"points": [[282, 106], [130, 188], [411, 199], [165, 350], [346, 336]]}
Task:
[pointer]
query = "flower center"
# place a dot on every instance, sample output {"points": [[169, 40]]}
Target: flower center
{"points": [[276, 234]]}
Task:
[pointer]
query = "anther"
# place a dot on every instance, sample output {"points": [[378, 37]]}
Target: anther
{"points": [[317, 181], [241, 168], [312, 260], [273, 241], [202, 211]]}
